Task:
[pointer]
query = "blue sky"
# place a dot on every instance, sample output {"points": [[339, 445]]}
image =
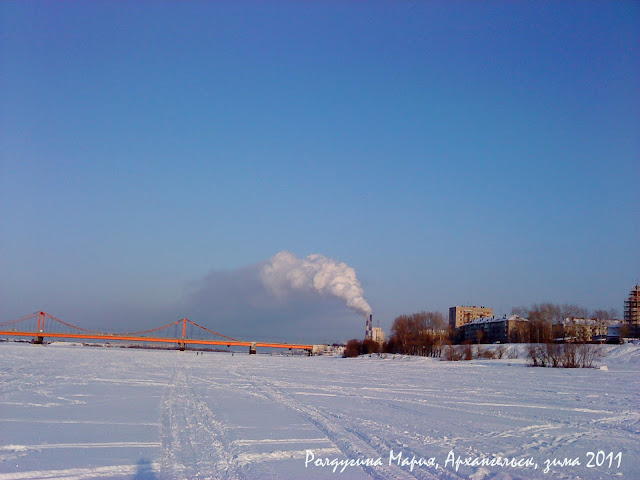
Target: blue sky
{"points": [[451, 152]]}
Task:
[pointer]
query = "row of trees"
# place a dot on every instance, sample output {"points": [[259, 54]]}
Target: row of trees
{"points": [[427, 333], [552, 311], [566, 355], [356, 347], [422, 333]]}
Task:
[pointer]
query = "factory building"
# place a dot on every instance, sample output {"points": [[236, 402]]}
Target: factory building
{"points": [[377, 335], [374, 333], [459, 316]]}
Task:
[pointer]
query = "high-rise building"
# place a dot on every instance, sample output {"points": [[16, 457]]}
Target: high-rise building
{"points": [[632, 307], [459, 316]]}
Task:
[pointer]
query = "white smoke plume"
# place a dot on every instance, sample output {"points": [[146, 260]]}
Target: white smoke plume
{"points": [[285, 272]]}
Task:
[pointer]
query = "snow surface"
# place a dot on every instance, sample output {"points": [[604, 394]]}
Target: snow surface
{"points": [[77, 412]]}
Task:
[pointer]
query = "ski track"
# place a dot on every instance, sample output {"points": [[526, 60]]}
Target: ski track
{"points": [[352, 441], [538, 440], [194, 442]]}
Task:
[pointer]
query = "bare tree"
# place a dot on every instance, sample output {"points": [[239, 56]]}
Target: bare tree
{"points": [[566, 355], [436, 321], [572, 311], [352, 349], [400, 332], [542, 317], [601, 314], [421, 333]]}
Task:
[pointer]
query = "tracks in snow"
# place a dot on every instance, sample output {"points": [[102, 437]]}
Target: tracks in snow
{"points": [[351, 439], [198, 445], [194, 441]]}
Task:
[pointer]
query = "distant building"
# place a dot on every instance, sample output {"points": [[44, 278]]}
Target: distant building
{"points": [[614, 333], [377, 335], [632, 307], [459, 316], [373, 333], [513, 329], [582, 329]]}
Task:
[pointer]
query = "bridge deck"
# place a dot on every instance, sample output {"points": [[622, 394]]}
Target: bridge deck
{"points": [[190, 341]]}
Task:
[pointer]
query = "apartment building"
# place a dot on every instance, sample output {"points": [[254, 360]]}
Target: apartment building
{"points": [[461, 315]]}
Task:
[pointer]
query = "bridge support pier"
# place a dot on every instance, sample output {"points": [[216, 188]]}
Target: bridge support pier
{"points": [[38, 340], [182, 347], [252, 348]]}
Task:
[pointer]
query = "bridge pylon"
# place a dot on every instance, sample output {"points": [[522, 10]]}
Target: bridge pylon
{"points": [[184, 331], [39, 339]]}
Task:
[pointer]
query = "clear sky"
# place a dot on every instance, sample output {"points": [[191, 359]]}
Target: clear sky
{"points": [[154, 154]]}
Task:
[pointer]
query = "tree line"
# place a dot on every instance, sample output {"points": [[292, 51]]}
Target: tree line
{"points": [[428, 333], [422, 333], [542, 317]]}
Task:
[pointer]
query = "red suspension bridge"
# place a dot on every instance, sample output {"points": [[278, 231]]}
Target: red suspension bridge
{"points": [[39, 325]]}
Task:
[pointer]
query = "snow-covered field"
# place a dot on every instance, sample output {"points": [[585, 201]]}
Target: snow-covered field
{"points": [[78, 412]]}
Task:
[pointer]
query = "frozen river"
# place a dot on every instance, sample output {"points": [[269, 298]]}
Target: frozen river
{"points": [[91, 413]]}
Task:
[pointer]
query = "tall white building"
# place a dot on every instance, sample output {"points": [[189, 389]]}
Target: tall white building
{"points": [[377, 335]]}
